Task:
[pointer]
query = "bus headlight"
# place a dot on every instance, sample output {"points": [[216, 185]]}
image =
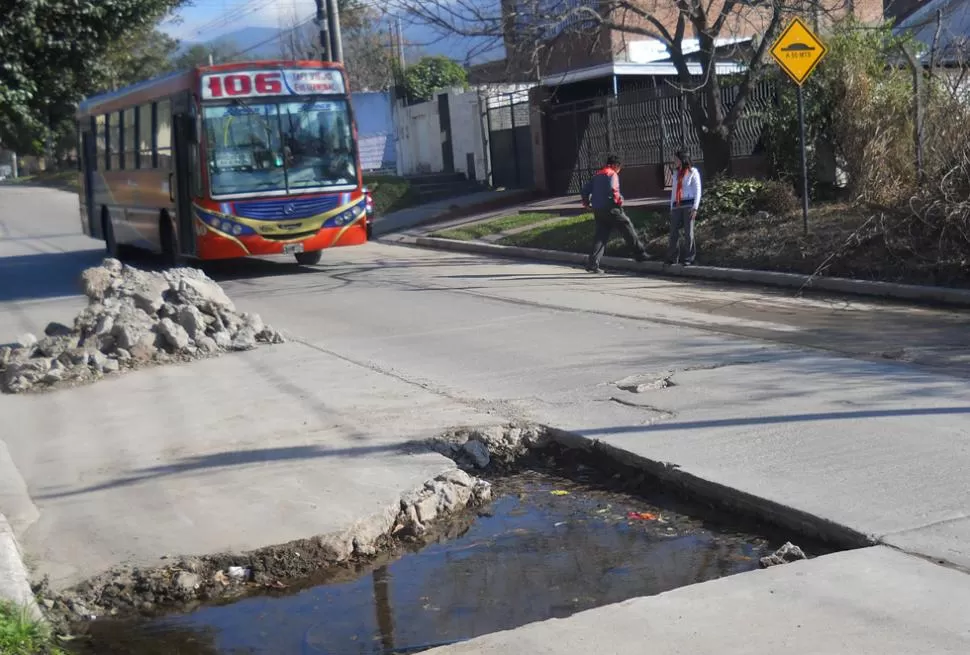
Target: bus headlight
{"points": [[237, 230]]}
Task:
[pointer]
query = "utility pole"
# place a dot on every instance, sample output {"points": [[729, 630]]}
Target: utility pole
{"points": [[400, 44], [321, 21], [333, 20]]}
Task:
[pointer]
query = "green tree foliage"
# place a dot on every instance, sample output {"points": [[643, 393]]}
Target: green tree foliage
{"points": [[55, 52], [431, 74], [199, 54], [137, 56]]}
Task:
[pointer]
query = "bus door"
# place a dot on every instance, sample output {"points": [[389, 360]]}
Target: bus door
{"points": [[89, 164], [185, 141]]}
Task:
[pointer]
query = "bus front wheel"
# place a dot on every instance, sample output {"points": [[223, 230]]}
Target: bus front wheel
{"points": [[311, 258]]}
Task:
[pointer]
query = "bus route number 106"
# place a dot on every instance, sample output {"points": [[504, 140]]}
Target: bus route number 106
{"points": [[241, 85]]}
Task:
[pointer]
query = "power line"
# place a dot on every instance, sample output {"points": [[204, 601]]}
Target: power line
{"points": [[248, 8]]}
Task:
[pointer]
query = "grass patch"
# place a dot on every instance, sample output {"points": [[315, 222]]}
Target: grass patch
{"points": [[67, 180], [22, 635], [575, 234], [844, 240], [479, 230], [390, 193]]}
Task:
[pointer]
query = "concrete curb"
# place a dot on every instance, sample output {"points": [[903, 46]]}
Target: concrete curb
{"points": [[14, 580], [911, 292]]}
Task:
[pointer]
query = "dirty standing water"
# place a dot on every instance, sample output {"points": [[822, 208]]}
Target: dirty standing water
{"points": [[547, 547]]}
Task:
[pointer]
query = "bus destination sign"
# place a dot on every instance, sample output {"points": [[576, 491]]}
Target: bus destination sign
{"points": [[250, 84]]}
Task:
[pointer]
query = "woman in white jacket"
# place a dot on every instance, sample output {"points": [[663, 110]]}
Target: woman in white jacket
{"points": [[685, 199]]}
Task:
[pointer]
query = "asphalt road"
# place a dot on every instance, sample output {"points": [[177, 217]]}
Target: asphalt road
{"points": [[852, 411]]}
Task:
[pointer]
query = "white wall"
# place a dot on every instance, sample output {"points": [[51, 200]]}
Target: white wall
{"points": [[466, 134], [420, 133], [418, 138]]}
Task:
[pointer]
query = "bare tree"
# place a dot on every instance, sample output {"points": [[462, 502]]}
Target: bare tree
{"points": [[535, 31], [367, 57]]}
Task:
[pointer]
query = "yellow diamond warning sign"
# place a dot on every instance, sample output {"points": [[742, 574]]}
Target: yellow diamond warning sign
{"points": [[798, 51]]}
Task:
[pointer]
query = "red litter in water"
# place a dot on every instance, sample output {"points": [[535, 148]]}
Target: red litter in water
{"points": [[641, 516]]}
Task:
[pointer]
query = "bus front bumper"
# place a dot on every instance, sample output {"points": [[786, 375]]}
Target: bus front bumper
{"points": [[215, 244]]}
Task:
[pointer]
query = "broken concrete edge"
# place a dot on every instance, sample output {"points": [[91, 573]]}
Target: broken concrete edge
{"points": [[482, 448], [909, 292], [130, 590], [14, 579], [736, 501]]}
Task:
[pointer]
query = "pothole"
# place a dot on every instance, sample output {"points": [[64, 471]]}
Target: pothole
{"points": [[642, 384], [565, 530]]}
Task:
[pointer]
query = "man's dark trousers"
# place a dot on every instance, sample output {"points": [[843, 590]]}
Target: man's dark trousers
{"points": [[608, 220]]}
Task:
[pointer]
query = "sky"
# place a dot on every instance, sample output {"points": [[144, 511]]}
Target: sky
{"points": [[207, 19]]}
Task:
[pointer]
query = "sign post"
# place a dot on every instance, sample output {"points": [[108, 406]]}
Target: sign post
{"points": [[798, 52]]}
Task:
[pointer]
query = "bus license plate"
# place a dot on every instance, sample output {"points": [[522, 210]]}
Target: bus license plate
{"points": [[292, 248]]}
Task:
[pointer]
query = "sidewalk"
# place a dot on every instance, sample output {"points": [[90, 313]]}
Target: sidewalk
{"points": [[423, 235], [874, 601], [473, 204], [573, 205]]}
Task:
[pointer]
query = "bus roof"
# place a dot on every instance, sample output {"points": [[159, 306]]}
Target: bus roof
{"points": [[148, 90]]}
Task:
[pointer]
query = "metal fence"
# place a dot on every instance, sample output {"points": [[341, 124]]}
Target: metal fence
{"points": [[644, 127], [510, 140]]}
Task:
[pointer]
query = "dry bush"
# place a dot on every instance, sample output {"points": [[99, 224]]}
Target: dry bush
{"points": [[872, 124]]}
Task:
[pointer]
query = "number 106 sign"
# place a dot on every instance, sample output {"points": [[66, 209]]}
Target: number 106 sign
{"points": [[249, 84]]}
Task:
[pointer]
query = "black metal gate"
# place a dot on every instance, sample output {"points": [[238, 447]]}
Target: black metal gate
{"points": [[643, 127], [510, 140]]}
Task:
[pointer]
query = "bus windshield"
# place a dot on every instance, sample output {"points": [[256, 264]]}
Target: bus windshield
{"points": [[279, 147]]}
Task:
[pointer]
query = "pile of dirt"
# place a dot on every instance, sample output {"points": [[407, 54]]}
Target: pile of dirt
{"points": [[133, 318]]}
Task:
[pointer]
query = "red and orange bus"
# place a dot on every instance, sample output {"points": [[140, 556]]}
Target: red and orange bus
{"points": [[225, 161]]}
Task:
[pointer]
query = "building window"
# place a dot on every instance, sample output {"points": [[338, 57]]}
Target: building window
{"points": [[163, 134], [146, 132]]}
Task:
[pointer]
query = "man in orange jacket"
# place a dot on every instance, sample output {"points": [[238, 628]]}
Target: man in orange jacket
{"points": [[602, 193]]}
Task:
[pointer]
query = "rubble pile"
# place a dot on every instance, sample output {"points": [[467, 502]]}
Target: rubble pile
{"points": [[133, 318]]}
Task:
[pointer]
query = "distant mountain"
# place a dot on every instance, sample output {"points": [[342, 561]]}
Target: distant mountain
{"points": [[264, 43]]}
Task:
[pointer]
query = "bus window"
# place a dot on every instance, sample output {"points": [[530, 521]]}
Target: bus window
{"points": [[319, 144], [129, 140], [163, 133], [114, 141], [244, 149], [145, 132], [101, 145]]}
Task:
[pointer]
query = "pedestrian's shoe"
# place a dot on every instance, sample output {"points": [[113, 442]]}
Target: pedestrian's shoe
{"points": [[688, 263], [641, 257], [596, 270]]}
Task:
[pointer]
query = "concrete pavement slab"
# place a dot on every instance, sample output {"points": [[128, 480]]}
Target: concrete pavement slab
{"points": [[233, 453], [873, 601], [876, 446]]}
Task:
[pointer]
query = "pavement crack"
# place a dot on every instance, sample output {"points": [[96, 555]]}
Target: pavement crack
{"points": [[485, 406], [664, 413], [931, 524]]}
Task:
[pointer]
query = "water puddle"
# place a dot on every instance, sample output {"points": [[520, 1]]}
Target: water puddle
{"points": [[547, 547]]}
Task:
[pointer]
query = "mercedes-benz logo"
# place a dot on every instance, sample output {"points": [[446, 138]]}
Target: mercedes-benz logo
{"points": [[289, 209]]}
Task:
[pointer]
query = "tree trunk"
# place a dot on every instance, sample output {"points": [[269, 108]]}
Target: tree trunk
{"points": [[716, 145]]}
